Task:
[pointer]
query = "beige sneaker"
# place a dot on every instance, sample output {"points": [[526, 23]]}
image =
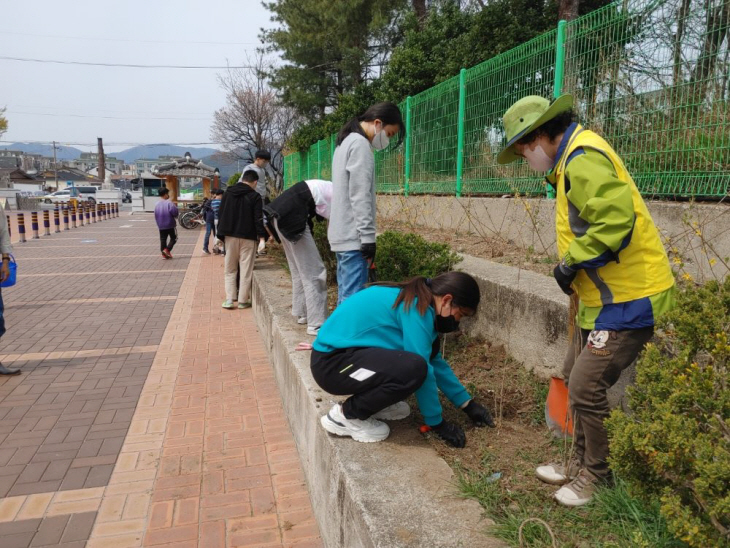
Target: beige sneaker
{"points": [[557, 474], [579, 491]]}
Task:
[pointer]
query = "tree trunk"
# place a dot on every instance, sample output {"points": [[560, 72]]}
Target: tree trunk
{"points": [[568, 9], [681, 24], [419, 6], [718, 25]]}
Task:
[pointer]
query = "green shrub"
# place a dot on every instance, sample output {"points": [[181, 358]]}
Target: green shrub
{"points": [[323, 246], [675, 445], [399, 256], [403, 255]]}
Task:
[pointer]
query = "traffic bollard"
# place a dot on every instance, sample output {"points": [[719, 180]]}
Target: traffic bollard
{"points": [[57, 219], [46, 223], [73, 215], [65, 217], [21, 227], [81, 214], [102, 212], [88, 215], [93, 213], [34, 224]]}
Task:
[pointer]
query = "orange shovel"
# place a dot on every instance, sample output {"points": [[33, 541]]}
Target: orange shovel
{"points": [[557, 413]]}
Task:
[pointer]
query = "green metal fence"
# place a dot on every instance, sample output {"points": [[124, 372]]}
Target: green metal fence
{"points": [[651, 76]]}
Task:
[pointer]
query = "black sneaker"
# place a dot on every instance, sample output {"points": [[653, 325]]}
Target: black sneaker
{"points": [[5, 371]]}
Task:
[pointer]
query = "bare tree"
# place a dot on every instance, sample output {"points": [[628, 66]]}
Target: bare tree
{"points": [[254, 117]]}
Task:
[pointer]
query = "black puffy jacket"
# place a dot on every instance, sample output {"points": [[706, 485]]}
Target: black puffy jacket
{"points": [[293, 210], [241, 214]]}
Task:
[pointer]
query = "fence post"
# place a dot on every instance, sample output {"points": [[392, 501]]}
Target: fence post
{"points": [[407, 174], [34, 224], [559, 76], [21, 227], [319, 159], [460, 134]]}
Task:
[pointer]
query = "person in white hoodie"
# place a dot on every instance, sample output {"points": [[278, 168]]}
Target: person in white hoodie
{"points": [[351, 231]]}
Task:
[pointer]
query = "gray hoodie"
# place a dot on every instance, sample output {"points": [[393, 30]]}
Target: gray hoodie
{"points": [[261, 184], [352, 217]]}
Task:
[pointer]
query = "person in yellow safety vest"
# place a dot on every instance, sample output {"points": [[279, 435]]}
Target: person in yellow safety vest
{"points": [[610, 253]]}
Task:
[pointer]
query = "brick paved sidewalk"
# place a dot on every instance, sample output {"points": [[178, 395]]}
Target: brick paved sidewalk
{"points": [[146, 414]]}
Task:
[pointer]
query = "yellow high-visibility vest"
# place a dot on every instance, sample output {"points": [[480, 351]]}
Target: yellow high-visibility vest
{"points": [[642, 268]]}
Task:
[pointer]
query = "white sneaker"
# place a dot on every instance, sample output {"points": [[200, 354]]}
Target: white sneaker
{"points": [[301, 320], [394, 412], [367, 431], [578, 492], [556, 474], [313, 331]]}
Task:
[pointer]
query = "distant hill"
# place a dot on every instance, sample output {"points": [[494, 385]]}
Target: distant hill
{"points": [[62, 152], [155, 151]]}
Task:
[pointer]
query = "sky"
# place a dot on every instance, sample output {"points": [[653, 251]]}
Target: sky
{"points": [[75, 104]]}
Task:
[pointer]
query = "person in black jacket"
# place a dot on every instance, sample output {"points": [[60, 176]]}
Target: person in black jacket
{"points": [[240, 224], [291, 215]]}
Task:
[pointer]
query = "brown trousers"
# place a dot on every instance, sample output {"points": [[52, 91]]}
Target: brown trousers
{"points": [[591, 367]]}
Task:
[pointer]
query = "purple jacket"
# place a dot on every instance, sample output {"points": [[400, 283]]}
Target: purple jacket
{"points": [[165, 213]]}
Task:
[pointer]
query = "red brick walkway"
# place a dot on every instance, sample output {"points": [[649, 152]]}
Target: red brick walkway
{"points": [[173, 396]]}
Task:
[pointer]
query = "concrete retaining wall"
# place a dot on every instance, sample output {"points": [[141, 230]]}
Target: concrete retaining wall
{"points": [[531, 223], [393, 494]]}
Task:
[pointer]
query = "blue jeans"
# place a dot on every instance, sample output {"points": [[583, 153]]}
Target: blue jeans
{"points": [[352, 274], [209, 227]]}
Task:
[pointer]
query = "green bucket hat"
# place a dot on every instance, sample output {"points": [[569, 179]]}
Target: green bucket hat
{"points": [[525, 116]]}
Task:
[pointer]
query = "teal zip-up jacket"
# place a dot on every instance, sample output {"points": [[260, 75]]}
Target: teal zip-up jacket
{"points": [[368, 319]]}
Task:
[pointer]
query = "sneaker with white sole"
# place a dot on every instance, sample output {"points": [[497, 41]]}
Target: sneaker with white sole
{"points": [[578, 492], [394, 412], [244, 305], [558, 474], [313, 331], [301, 320], [366, 431], [227, 304]]}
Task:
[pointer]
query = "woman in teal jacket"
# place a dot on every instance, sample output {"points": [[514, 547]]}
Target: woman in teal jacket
{"points": [[382, 344]]}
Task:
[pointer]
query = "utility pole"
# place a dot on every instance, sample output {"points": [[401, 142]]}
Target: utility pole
{"points": [[101, 168], [55, 165]]}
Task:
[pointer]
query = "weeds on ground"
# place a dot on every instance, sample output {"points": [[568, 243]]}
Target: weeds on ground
{"points": [[497, 467]]}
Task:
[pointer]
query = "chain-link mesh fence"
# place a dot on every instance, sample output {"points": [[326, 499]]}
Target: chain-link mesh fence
{"points": [[650, 76]]}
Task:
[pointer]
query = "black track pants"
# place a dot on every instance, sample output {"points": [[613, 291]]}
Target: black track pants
{"points": [[375, 377]]}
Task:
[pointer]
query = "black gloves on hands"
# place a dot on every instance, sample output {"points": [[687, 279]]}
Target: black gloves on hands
{"points": [[368, 251], [565, 275], [479, 414], [450, 433]]}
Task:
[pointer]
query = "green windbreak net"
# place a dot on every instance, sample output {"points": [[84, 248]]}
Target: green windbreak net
{"points": [[650, 76]]}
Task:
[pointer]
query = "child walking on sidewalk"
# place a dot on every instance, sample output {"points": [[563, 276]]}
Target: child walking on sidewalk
{"points": [[165, 215]]}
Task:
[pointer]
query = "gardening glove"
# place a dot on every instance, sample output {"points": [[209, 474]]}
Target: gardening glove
{"points": [[262, 245], [479, 414], [565, 275], [450, 433], [368, 251]]}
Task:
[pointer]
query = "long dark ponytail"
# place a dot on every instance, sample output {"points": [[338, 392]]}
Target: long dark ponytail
{"points": [[388, 113], [460, 285]]}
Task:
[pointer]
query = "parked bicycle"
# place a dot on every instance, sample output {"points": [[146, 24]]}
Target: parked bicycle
{"points": [[193, 218]]}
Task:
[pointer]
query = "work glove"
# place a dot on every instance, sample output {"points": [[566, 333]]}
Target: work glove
{"points": [[479, 414], [565, 275], [262, 246], [450, 433], [368, 251]]}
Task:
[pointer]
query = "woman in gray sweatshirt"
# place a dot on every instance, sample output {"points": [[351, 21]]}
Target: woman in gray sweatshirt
{"points": [[351, 230]]}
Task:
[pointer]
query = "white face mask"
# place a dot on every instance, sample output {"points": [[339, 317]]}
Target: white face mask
{"points": [[538, 159], [381, 140]]}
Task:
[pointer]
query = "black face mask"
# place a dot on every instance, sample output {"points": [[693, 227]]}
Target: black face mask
{"points": [[447, 324]]}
